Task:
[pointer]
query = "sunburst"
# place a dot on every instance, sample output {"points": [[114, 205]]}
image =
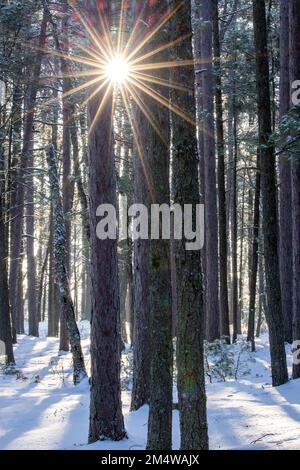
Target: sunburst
{"points": [[124, 67]]}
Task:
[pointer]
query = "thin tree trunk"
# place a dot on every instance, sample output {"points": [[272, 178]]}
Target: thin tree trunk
{"points": [[268, 188], [254, 261], [79, 372], [295, 75], [285, 194], [211, 222], [223, 251]]}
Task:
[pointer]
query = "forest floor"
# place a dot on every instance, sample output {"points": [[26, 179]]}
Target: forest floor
{"points": [[41, 409]]}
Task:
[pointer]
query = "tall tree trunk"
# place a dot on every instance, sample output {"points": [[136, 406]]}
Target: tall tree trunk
{"points": [[33, 321], [158, 158], [223, 251], [79, 372], [68, 184], [254, 261], [5, 317], [295, 75], [141, 334], [190, 324], [268, 188], [234, 229], [285, 194], [211, 221], [106, 419]]}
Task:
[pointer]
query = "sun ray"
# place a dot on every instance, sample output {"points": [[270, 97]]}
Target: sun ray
{"points": [[134, 29], [139, 149], [91, 31], [66, 94], [162, 100], [101, 106], [87, 100], [121, 26], [99, 59], [152, 33], [166, 65], [160, 49], [81, 74], [54, 53], [106, 31], [146, 111], [161, 81]]}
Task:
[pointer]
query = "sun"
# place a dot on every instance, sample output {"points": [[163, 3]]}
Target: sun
{"points": [[118, 70]]}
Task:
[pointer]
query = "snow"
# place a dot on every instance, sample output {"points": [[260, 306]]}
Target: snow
{"points": [[41, 409]]}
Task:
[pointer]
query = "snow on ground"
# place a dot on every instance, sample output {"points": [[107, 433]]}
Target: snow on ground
{"points": [[41, 409]]}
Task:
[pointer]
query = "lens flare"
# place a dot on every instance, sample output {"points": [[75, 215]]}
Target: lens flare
{"points": [[117, 70]]}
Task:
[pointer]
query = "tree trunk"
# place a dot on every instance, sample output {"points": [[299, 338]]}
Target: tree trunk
{"points": [[5, 318], [223, 251], [285, 194], [295, 75], [211, 221], [268, 188], [141, 334], [106, 419], [254, 261], [79, 372], [190, 324]]}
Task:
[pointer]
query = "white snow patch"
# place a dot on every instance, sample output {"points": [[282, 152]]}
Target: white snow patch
{"points": [[41, 409]]}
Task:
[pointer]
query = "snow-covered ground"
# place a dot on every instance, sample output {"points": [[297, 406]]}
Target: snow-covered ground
{"points": [[41, 409]]}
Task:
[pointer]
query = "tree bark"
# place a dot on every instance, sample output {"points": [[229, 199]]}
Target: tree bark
{"points": [[285, 194], [254, 261], [211, 221], [190, 324], [295, 75], [106, 419], [223, 251], [268, 187], [79, 371]]}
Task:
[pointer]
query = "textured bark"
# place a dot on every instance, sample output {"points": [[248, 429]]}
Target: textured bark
{"points": [[211, 222], [106, 419], [61, 269], [285, 194], [234, 230], [158, 157], [15, 264], [254, 262], [5, 318], [262, 296], [141, 341], [199, 110], [268, 188], [68, 183], [141, 264], [54, 312], [295, 75], [223, 251], [33, 321], [43, 270], [190, 325]]}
